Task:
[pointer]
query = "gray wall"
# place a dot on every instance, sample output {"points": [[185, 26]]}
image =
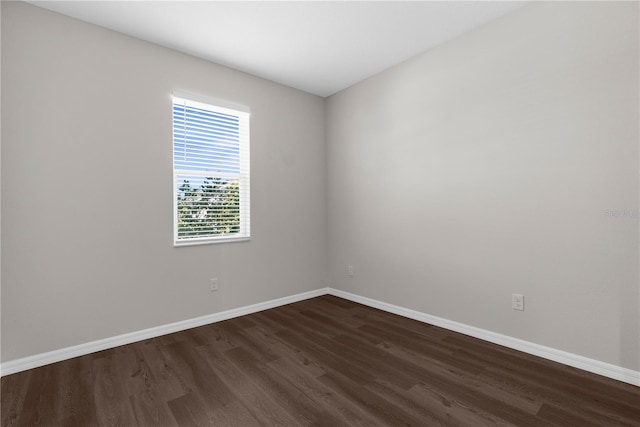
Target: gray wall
{"points": [[87, 187], [505, 161]]}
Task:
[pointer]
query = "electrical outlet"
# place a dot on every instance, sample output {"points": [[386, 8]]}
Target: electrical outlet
{"points": [[213, 282], [517, 302], [350, 270]]}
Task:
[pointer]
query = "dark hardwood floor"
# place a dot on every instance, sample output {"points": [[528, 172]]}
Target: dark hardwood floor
{"points": [[325, 362]]}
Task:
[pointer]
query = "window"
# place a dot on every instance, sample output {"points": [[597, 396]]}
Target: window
{"points": [[210, 171]]}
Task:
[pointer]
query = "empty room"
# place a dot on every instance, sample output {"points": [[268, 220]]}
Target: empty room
{"points": [[320, 213]]}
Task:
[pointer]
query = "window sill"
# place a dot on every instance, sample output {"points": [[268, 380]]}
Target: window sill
{"points": [[209, 241]]}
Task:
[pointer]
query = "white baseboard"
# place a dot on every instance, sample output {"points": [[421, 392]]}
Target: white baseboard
{"points": [[570, 359], [18, 365]]}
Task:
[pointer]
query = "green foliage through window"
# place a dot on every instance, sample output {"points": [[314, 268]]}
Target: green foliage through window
{"points": [[212, 207]]}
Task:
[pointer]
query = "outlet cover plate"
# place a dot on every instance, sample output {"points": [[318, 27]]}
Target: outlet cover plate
{"points": [[517, 302]]}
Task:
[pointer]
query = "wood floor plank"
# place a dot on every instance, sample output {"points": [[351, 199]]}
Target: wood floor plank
{"points": [[372, 316], [237, 333], [76, 407], [149, 410], [462, 388], [289, 314], [295, 357], [167, 384], [339, 327], [417, 345], [350, 350], [563, 385], [261, 405], [386, 412], [429, 414], [557, 416], [190, 410], [340, 302], [234, 415], [602, 412], [286, 394], [512, 396], [213, 334], [14, 391], [38, 408], [455, 412], [347, 317], [111, 398], [305, 380], [197, 375], [325, 361], [326, 357]]}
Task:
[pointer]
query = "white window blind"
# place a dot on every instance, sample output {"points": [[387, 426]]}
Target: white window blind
{"points": [[210, 172]]}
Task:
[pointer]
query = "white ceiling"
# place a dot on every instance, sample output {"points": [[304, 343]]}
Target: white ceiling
{"points": [[320, 47]]}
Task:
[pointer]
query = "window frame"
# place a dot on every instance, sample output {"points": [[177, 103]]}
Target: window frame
{"points": [[243, 176]]}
